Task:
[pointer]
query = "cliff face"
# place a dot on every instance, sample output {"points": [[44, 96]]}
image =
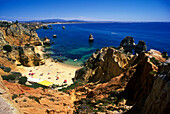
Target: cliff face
{"points": [[22, 40], [134, 76], [141, 82], [104, 65], [158, 101], [7, 106], [145, 90], [16, 34]]}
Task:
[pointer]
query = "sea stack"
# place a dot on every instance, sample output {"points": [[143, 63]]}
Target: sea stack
{"points": [[46, 41], [54, 36], [91, 39], [63, 27], [45, 27]]}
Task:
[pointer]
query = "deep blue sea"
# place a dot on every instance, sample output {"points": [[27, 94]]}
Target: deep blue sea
{"points": [[72, 42]]}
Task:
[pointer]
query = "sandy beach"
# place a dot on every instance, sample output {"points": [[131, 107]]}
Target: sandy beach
{"points": [[50, 71]]}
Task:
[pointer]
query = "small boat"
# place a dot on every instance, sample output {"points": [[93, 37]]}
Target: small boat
{"points": [[63, 27], [91, 39], [54, 36]]}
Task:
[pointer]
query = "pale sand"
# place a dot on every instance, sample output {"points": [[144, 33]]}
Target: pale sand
{"points": [[50, 70]]}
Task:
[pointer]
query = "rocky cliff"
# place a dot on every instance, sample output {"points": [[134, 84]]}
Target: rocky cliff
{"points": [[103, 65], [133, 76], [158, 101], [16, 34], [21, 40]]}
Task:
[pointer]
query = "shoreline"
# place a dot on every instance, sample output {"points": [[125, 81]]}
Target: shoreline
{"points": [[50, 71]]}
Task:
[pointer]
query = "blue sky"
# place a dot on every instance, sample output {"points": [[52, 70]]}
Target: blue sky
{"points": [[94, 10]]}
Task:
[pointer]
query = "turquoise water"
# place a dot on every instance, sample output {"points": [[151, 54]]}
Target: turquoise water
{"points": [[72, 42]]}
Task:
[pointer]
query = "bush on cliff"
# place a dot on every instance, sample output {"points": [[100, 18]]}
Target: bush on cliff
{"points": [[22, 80], [7, 48]]}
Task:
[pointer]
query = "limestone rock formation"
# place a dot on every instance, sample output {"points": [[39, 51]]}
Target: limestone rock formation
{"points": [[141, 82], [28, 57], [128, 44], [46, 41], [91, 39], [141, 46], [145, 89], [16, 34], [2, 39], [103, 65], [6, 103], [158, 101]]}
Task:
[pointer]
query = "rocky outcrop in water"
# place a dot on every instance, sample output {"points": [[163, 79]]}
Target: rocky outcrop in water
{"points": [[103, 65], [141, 46], [46, 41], [128, 44]]}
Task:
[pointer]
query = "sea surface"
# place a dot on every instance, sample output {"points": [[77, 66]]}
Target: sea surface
{"points": [[72, 42]]}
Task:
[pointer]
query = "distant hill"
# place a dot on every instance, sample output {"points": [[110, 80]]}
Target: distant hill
{"points": [[54, 20]]}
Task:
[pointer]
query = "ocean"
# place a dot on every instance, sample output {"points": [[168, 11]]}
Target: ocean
{"points": [[73, 41]]}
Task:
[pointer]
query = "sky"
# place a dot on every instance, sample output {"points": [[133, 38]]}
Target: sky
{"points": [[89, 10]]}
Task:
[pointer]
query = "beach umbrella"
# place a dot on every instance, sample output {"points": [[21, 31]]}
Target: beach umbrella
{"points": [[29, 73], [65, 81]]}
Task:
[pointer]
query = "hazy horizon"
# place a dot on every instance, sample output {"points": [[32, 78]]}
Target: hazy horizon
{"points": [[87, 10]]}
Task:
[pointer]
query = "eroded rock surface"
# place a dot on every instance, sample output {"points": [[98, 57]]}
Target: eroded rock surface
{"points": [[103, 65]]}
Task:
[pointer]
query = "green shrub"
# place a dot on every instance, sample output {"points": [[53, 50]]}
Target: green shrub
{"points": [[73, 86], [52, 99], [14, 96], [24, 100], [154, 61], [35, 98], [22, 80], [9, 77], [7, 48]]}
